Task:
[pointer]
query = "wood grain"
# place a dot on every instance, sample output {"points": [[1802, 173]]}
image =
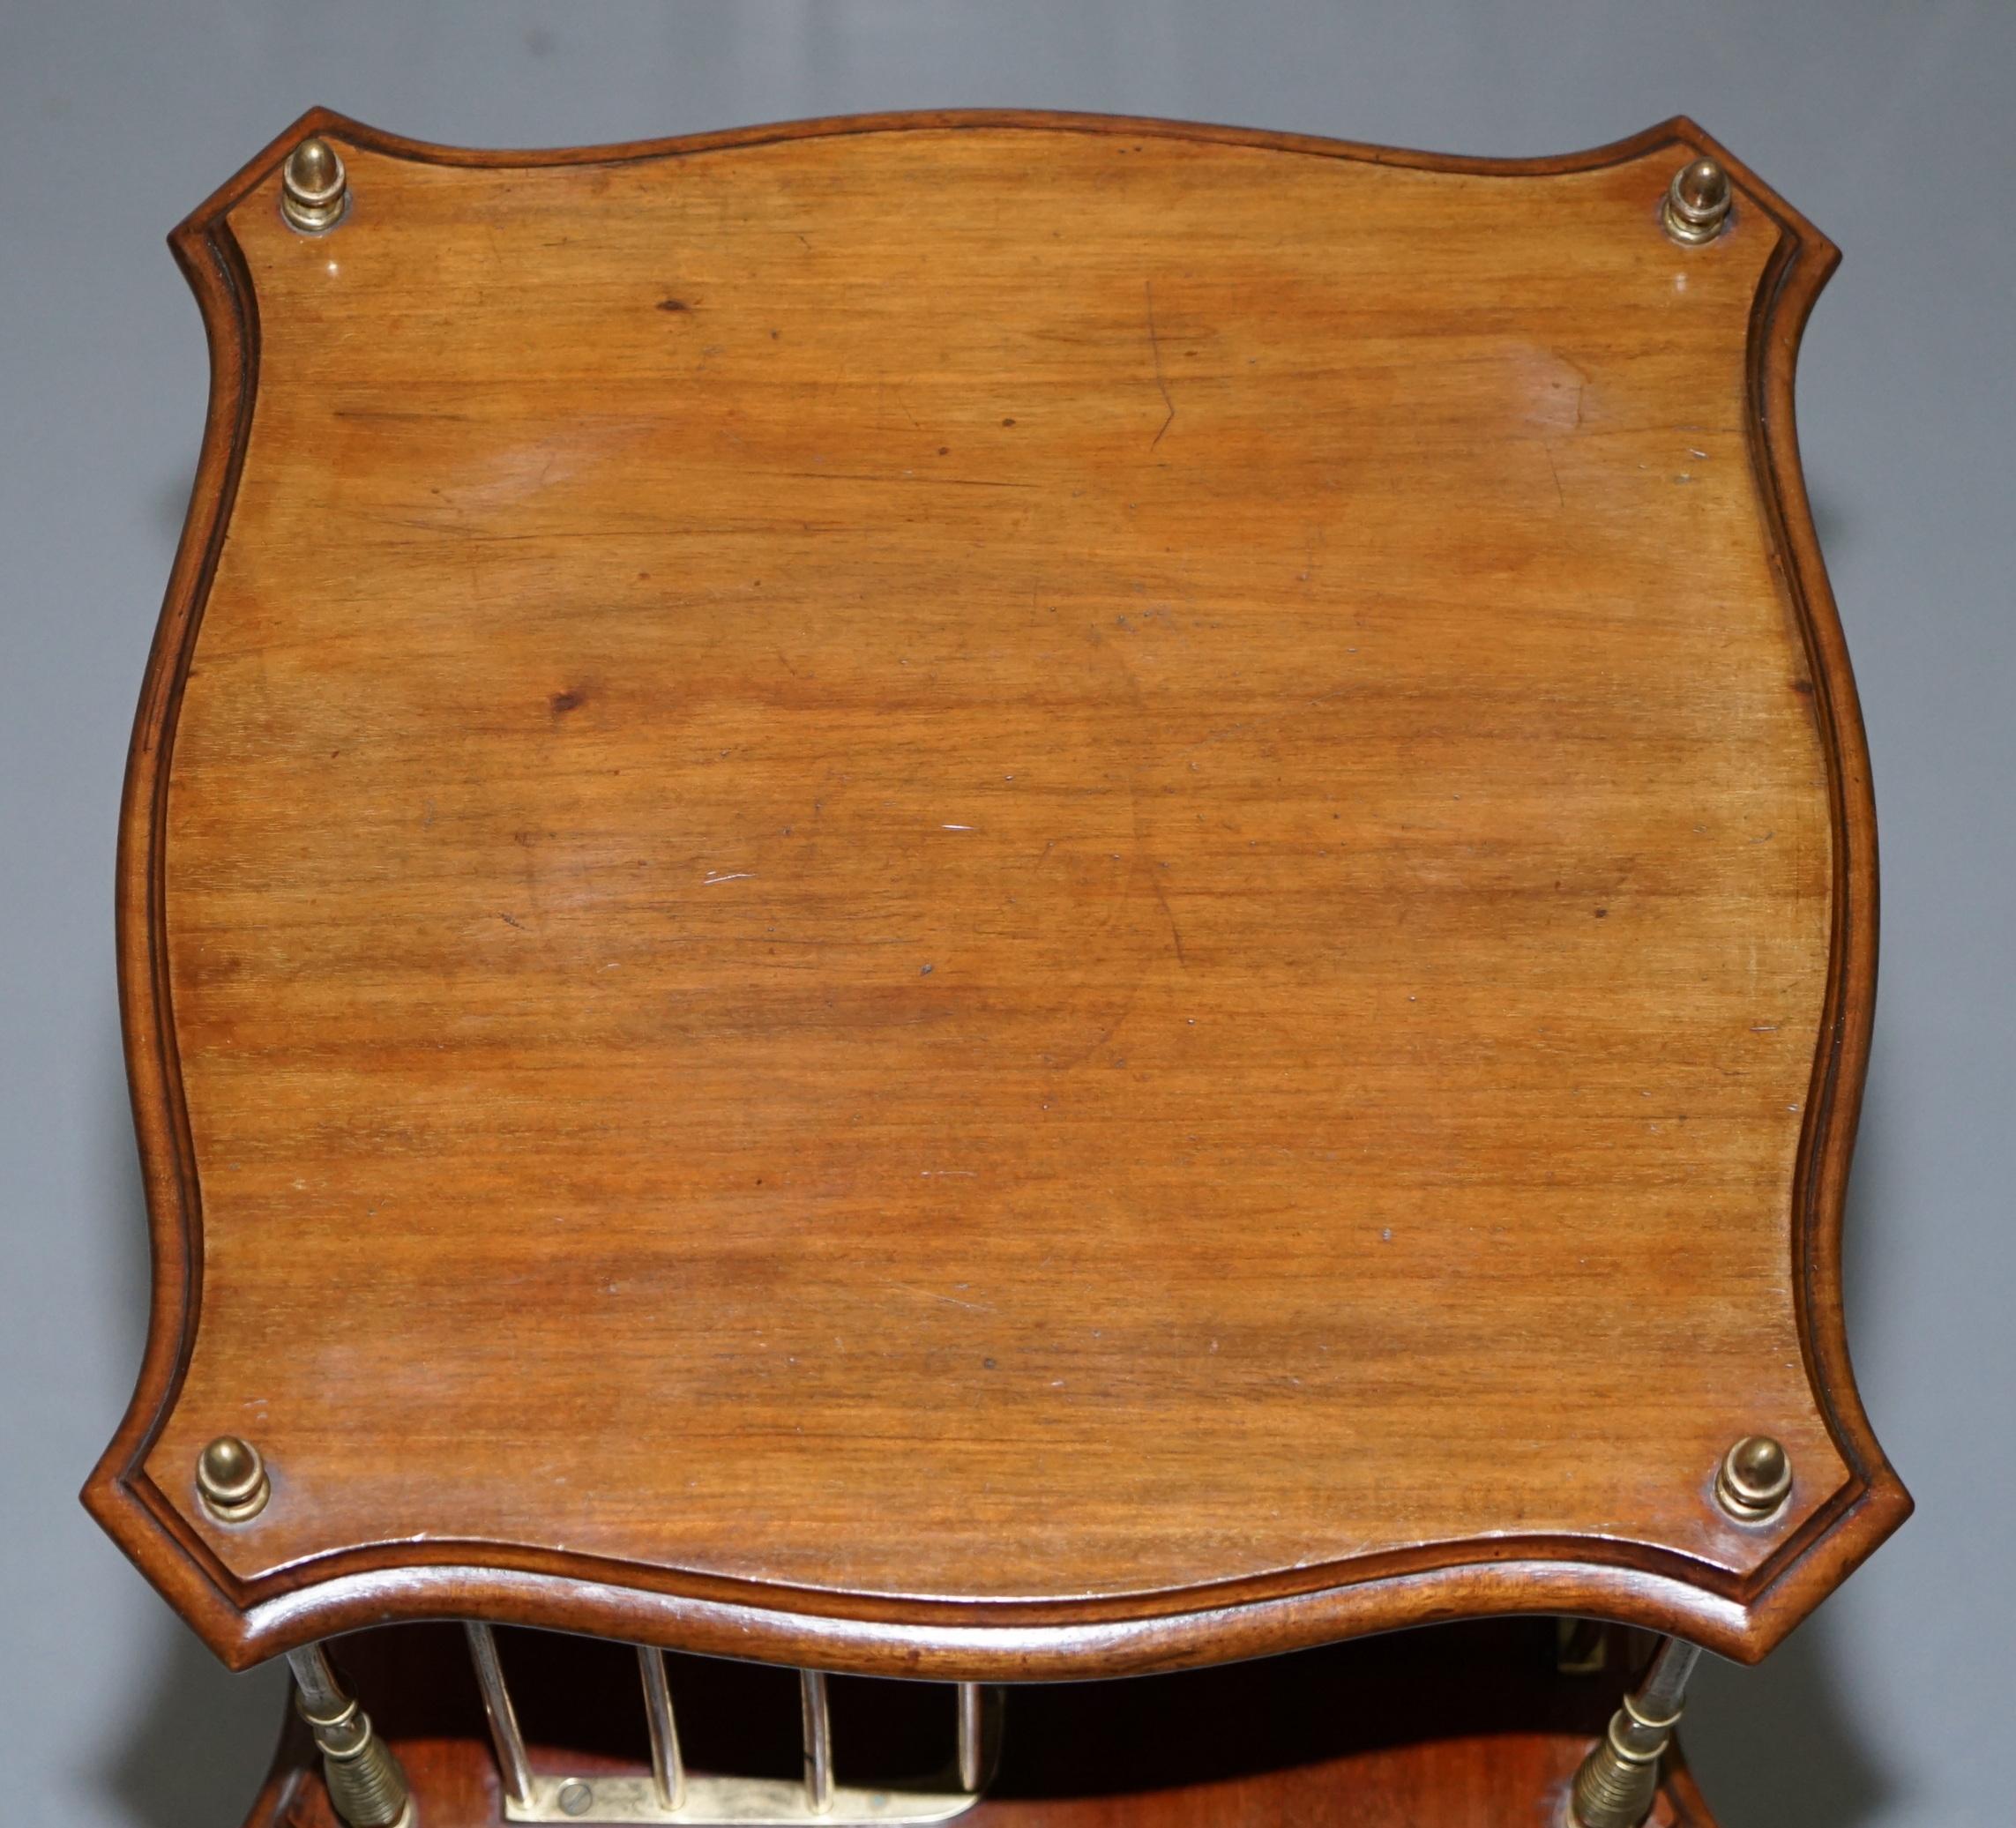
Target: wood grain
{"points": [[999, 893]]}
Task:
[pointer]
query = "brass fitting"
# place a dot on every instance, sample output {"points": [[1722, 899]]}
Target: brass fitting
{"points": [[1697, 206], [1754, 1479], [315, 189], [231, 1480], [1617, 1780], [366, 1786]]}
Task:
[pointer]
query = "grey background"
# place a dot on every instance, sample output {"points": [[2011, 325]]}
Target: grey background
{"points": [[1891, 125]]}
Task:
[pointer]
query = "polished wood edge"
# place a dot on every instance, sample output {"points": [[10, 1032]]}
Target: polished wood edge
{"points": [[216, 274], [328, 122], [1874, 1503], [245, 1622]]}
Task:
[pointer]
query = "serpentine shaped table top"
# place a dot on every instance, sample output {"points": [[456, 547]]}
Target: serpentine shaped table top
{"points": [[992, 895]]}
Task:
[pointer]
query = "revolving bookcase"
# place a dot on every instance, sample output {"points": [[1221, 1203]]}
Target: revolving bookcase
{"points": [[945, 937]]}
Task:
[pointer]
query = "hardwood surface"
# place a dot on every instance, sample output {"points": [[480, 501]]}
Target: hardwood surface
{"points": [[1462, 1728], [998, 895]]}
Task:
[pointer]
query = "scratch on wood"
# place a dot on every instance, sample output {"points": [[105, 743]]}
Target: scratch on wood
{"points": [[931, 1294], [871, 476], [1155, 349]]}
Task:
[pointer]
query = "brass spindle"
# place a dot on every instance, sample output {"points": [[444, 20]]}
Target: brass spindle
{"points": [[819, 1741], [512, 1766], [366, 1786], [667, 1768], [1617, 1780], [971, 1736]]}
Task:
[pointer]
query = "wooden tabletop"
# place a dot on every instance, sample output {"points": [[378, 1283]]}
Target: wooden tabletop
{"points": [[997, 895]]}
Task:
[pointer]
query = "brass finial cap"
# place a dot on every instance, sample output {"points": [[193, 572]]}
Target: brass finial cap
{"points": [[1755, 1478], [231, 1480], [314, 187], [1697, 202]]}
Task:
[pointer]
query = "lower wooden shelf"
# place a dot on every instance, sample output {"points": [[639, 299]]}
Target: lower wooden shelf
{"points": [[1458, 1726]]}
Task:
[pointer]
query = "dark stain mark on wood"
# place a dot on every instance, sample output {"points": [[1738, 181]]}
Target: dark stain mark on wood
{"points": [[571, 699]]}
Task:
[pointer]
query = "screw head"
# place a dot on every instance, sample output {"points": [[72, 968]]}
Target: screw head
{"points": [[314, 187], [1755, 1478], [1698, 201], [574, 1797], [231, 1480]]}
